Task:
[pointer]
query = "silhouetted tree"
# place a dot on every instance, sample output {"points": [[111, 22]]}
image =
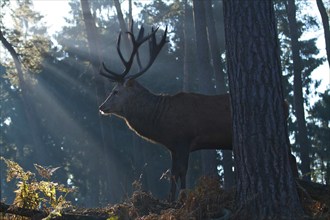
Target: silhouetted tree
{"points": [[26, 44], [188, 41], [326, 28], [319, 129], [301, 135], [206, 86], [265, 184], [307, 63], [221, 86]]}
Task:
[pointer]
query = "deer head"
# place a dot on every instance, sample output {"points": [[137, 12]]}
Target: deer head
{"points": [[127, 88]]}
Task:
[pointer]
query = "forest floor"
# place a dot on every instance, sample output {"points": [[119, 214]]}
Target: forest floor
{"points": [[206, 201]]}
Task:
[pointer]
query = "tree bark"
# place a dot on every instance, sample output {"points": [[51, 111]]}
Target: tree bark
{"points": [[326, 28], [301, 134], [265, 184], [206, 86]]}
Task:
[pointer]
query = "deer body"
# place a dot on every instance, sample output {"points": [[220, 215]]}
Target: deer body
{"points": [[204, 122]]}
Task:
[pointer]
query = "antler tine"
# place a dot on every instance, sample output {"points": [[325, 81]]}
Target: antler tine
{"points": [[154, 50], [126, 63], [120, 77], [104, 71], [112, 75], [141, 34], [136, 44]]}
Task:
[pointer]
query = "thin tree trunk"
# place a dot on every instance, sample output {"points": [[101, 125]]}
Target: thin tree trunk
{"points": [[221, 86], [188, 58], [326, 28], [136, 152], [265, 184], [203, 62], [130, 12], [301, 134], [194, 170], [209, 157], [100, 183], [40, 153], [327, 174], [123, 27], [215, 50]]}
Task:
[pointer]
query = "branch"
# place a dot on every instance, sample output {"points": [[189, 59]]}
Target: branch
{"points": [[10, 209], [316, 191], [38, 215], [13, 53]]}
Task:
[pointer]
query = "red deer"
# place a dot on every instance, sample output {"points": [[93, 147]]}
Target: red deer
{"points": [[183, 123]]}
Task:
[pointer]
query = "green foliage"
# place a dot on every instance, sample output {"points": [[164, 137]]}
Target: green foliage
{"points": [[318, 127], [310, 61], [28, 37], [113, 218], [32, 193]]}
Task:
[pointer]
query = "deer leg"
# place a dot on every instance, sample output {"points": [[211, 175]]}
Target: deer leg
{"points": [[183, 169], [179, 171], [174, 175]]}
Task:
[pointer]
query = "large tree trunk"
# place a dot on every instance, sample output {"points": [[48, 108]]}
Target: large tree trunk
{"points": [[206, 86], [265, 184], [301, 134], [326, 28]]}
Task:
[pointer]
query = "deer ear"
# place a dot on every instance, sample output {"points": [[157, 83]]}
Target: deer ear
{"points": [[129, 83]]}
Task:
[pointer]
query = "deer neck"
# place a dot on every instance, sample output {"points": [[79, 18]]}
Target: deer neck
{"points": [[145, 114]]}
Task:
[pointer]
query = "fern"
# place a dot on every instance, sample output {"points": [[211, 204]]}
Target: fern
{"points": [[32, 193]]}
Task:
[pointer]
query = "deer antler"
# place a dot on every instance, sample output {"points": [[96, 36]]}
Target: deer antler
{"points": [[154, 49]]}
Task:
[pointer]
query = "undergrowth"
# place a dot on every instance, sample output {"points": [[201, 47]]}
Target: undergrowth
{"points": [[37, 192]]}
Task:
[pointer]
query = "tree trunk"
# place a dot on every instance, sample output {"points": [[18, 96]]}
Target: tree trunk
{"points": [[188, 58], [123, 27], [99, 184], [327, 174], [130, 11], [265, 184], [325, 22], [39, 153], [301, 134], [221, 86], [195, 164], [206, 86], [214, 49], [136, 154]]}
